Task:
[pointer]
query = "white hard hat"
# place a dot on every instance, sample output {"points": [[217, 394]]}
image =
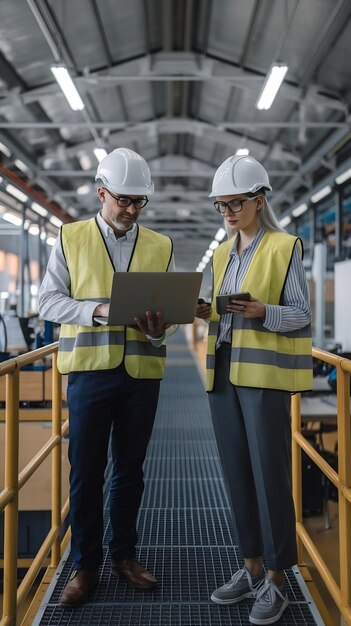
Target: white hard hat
{"points": [[239, 174], [125, 171]]}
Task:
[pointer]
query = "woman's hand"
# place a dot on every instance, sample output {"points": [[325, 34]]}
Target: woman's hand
{"points": [[155, 326], [203, 309], [250, 309]]}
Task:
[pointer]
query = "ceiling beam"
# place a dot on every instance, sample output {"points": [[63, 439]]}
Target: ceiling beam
{"points": [[174, 66]]}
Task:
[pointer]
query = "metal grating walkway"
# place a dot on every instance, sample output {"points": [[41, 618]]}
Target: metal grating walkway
{"points": [[185, 531]]}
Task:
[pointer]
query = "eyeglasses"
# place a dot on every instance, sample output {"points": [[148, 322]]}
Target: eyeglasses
{"points": [[125, 201], [235, 206]]}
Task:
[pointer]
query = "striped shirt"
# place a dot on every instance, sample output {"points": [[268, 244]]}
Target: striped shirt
{"points": [[292, 314]]}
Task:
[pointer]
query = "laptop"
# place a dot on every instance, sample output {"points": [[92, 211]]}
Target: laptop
{"points": [[175, 294]]}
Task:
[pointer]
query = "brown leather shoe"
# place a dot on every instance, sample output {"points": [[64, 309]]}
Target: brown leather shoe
{"points": [[79, 587], [134, 573]]}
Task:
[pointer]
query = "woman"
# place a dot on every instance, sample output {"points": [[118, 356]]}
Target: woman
{"points": [[259, 352]]}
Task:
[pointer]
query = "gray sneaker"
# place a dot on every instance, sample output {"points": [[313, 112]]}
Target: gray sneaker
{"points": [[270, 604], [241, 585]]}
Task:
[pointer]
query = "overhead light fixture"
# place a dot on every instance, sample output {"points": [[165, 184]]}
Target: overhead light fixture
{"points": [[325, 191], [12, 218], [342, 177], [55, 221], [220, 234], [83, 190], [205, 259], [100, 153], [242, 152], [213, 245], [50, 241], [300, 209], [209, 253], [68, 87], [5, 150], [43, 235], [39, 209], [285, 221], [21, 166], [17, 193], [271, 86], [85, 162], [34, 230]]}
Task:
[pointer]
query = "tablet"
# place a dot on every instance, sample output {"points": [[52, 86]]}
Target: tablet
{"points": [[175, 294]]}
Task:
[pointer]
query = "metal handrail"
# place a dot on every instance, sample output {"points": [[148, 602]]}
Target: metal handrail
{"points": [[15, 480], [341, 593]]}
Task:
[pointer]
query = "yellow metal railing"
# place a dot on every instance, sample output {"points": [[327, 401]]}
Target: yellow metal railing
{"points": [[13, 597], [341, 479], [14, 481]]}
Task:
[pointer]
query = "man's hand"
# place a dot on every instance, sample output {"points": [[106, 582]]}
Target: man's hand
{"points": [[155, 326], [251, 309], [102, 310], [203, 309]]}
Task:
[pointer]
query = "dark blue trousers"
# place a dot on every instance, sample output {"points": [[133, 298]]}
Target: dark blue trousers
{"points": [[104, 403]]}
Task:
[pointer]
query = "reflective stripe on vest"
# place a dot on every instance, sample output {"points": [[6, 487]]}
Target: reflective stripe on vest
{"points": [[91, 270], [260, 357]]}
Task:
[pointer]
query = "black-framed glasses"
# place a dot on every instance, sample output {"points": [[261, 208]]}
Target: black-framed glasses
{"points": [[235, 206], [125, 201]]}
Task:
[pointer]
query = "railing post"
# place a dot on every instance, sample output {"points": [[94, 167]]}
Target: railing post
{"points": [[296, 466], [56, 459], [344, 471], [11, 510]]}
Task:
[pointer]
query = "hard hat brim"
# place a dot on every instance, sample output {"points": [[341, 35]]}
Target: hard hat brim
{"points": [[230, 192]]}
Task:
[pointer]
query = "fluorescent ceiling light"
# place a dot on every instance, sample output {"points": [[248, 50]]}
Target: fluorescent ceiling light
{"points": [[321, 194], [39, 209], [55, 220], [100, 153], [14, 219], [202, 265], [209, 253], [68, 87], [342, 177], [205, 259], [50, 241], [21, 166], [285, 221], [17, 193], [83, 190], [34, 230], [271, 86], [5, 150], [43, 235], [220, 234], [213, 245], [85, 162], [242, 152], [300, 209]]}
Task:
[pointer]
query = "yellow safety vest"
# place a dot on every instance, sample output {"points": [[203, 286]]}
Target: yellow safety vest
{"points": [[259, 357], [91, 270]]}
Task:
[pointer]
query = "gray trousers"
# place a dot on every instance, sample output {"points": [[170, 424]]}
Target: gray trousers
{"points": [[253, 433]]}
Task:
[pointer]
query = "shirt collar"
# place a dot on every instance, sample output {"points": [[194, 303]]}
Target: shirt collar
{"points": [[252, 243], [108, 231]]}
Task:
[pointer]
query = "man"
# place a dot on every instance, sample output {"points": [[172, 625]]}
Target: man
{"points": [[114, 372]]}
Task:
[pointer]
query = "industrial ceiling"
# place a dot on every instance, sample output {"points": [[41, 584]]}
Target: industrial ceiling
{"points": [[177, 81]]}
